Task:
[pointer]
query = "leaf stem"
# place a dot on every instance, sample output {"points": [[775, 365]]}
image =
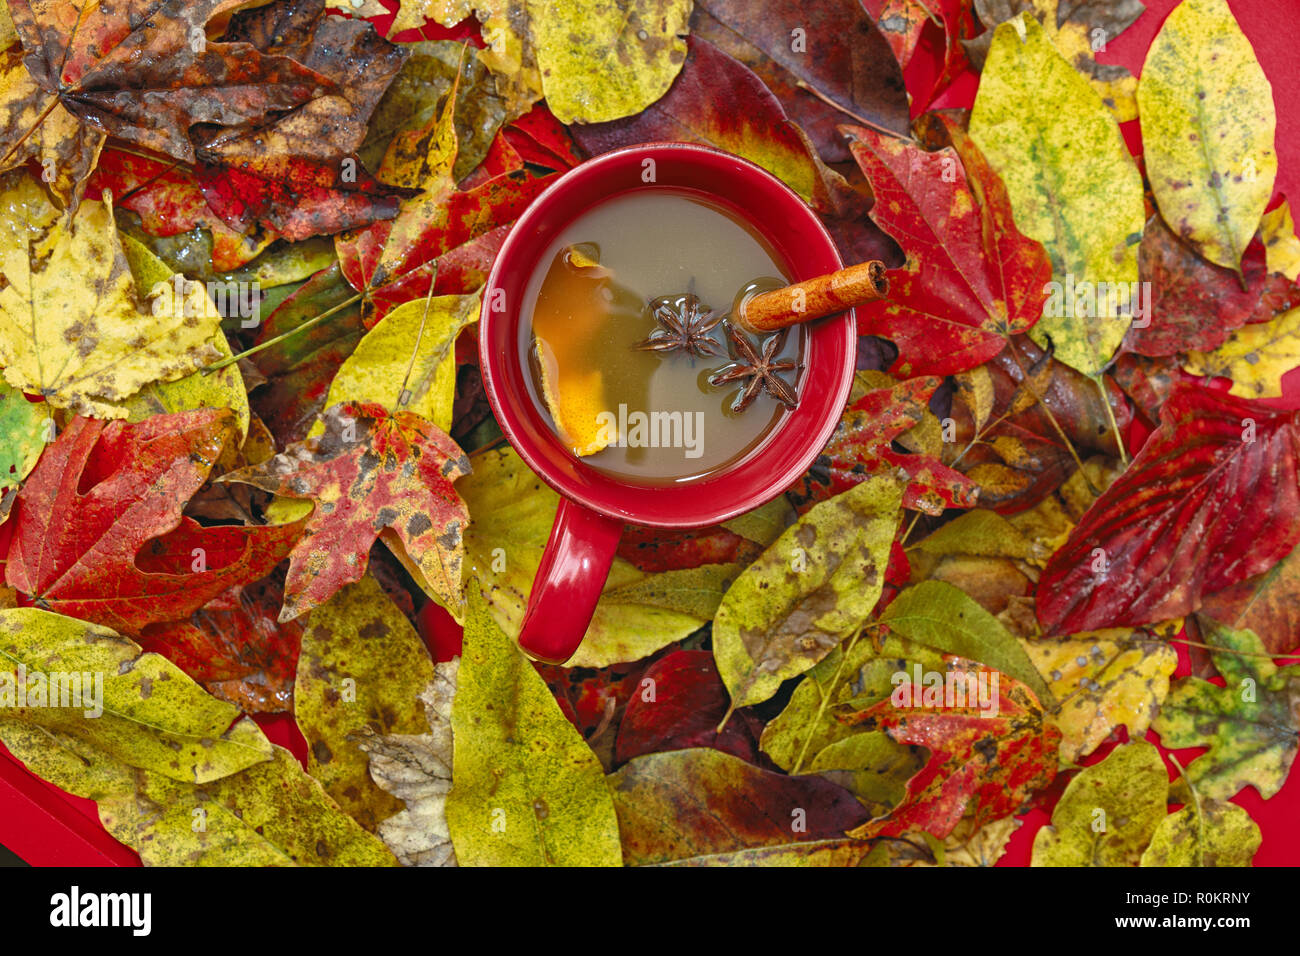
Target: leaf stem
{"points": [[821, 708], [1110, 415], [208, 369]]}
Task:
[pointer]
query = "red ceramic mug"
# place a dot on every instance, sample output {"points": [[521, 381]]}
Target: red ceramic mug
{"points": [[595, 506]]}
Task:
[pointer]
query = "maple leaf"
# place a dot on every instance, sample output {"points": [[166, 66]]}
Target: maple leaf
{"points": [[1209, 501], [862, 446], [369, 471], [98, 532], [1251, 725], [298, 172], [240, 653], [132, 69], [74, 327], [989, 766], [970, 279]]}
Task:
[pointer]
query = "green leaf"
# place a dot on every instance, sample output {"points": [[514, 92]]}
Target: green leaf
{"points": [[153, 715], [765, 523], [816, 585], [1072, 183], [1249, 725], [527, 790], [1108, 813], [979, 532], [23, 431], [937, 615], [360, 636], [1207, 130], [1208, 833]]}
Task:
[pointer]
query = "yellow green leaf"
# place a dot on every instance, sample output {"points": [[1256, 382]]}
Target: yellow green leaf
{"points": [[1109, 812], [273, 814], [361, 667], [414, 344], [602, 60], [1207, 130], [1072, 183], [1255, 356], [527, 790], [74, 326], [1281, 246], [1204, 833], [813, 587], [1103, 681], [938, 616], [765, 523], [139, 708], [221, 389]]}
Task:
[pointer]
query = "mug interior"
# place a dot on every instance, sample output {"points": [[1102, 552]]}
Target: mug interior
{"points": [[799, 241]]}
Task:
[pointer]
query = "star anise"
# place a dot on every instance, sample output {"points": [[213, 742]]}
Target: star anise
{"points": [[759, 370], [684, 326]]}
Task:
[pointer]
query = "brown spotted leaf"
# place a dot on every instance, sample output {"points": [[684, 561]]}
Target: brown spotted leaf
{"points": [[369, 471]]}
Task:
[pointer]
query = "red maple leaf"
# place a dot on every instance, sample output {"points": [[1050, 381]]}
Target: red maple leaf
{"points": [[970, 279], [369, 472], [98, 534], [982, 762], [862, 446]]}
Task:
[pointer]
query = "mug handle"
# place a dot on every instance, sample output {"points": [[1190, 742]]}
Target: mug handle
{"points": [[568, 583]]}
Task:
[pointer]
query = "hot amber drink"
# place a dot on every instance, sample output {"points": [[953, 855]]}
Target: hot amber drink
{"points": [[631, 358]]}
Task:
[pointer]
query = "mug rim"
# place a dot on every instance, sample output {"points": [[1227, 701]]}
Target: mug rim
{"points": [[522, 439]]}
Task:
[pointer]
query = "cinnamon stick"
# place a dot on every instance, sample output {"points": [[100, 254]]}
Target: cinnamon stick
{"points": [[814, 298]]}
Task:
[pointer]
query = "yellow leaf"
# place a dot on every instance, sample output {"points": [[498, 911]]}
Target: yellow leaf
{"points": [[813, 587], [1103, 681], [1255, 357], [221, 389], [74, 327], [1207, 130], [140, 708], [417, 339], [602, 60], [595, 60], [527, 789], [361, 636], [1281, 246], [1072, 183]]}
